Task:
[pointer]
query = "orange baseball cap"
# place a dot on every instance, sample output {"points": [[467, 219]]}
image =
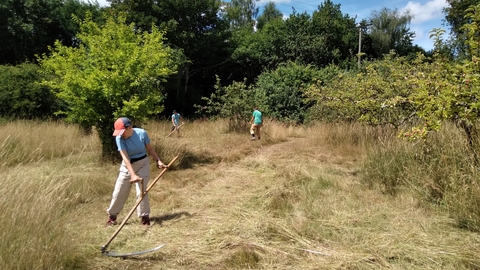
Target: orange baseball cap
{"points": [[120, 125]]}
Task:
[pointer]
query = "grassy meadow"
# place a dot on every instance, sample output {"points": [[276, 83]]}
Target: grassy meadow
{"points": [[327, 196]]}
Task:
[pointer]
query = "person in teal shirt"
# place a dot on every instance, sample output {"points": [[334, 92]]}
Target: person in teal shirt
{"points": [[256, 122], [176, 122]]}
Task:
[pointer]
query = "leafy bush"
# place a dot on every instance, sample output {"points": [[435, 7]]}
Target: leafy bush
{"points": [[284, 89], [20, 94], [234, 102], [378, 95]]}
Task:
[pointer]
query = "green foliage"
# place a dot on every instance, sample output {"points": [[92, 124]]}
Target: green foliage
{"points": [[450, 91], [115, 72], [198, 34], [283, 89], [389, 31], [21, 96], [324, 38], [455, 17], [269, 13], [334, 35], [241, 13], [378, 95], [28, 27], [235, 102]]}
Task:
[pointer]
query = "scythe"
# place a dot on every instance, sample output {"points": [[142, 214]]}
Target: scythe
{"points": [[113, 254]]}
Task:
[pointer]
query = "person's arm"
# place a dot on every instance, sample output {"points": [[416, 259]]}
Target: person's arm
{"points": [[153, 153], [251, 120], [126, 160]]}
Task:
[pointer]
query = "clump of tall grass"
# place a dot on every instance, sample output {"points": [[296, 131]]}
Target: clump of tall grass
{"points": [[51, 170], [439, 169], [24, 142], [33, 203]]}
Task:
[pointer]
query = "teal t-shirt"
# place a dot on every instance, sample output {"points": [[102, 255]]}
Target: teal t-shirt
{"points": [[176, 118], [135, 144], [257, 117]]}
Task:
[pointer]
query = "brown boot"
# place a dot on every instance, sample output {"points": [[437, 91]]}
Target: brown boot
{"points": [[146, 220], [112, 220]]}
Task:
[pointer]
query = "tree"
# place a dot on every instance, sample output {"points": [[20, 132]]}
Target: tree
{"points": [[270, 12], [455, 17], [28, 27], [389, 31], [116, 71], [195, 29], [378, 95], [450, 90], [338, 35], [241, 13], [20, 94]]}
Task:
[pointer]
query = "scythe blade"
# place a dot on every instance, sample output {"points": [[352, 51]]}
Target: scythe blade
{"points": [[114, 254]]}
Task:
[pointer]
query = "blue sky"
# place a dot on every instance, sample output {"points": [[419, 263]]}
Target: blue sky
{"points": [[427, 13]]}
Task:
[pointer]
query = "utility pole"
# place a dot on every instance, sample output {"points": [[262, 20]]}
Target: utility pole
{"points": [[359, 42]]}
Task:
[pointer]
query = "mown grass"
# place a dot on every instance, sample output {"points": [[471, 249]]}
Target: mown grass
{"points": [[331, 196]]}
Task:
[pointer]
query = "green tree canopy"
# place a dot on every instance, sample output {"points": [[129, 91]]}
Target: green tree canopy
{"points": [[20, 94], [116, 71], [195, 29], [241, 13], [28, 27], [455, 17], [389, 31], [269, 13]]}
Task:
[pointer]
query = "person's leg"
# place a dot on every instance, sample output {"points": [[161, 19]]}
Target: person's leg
{"points": [[120, 192], [252, 131], [258, 131], [143, 170]]}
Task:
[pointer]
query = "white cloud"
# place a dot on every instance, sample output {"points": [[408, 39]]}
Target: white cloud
{"points": [[431, 10]]}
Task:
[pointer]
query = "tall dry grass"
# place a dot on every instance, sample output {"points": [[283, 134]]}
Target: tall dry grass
{"points": [[26, 142], [38, 189], [300, 198], [440, 170]]}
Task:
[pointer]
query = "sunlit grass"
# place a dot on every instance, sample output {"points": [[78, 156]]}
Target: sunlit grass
{"points": [[300, 198], [24, 142]]}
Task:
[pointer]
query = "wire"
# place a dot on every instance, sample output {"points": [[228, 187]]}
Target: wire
{"points": [[305, 3], [292, 6]]}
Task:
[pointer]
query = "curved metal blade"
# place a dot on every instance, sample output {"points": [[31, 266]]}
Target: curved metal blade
{"points": [[114, 254]]}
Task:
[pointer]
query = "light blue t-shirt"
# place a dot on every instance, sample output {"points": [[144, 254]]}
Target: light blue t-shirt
{"points": [[176, 118], [257, 117], [135, 144]]}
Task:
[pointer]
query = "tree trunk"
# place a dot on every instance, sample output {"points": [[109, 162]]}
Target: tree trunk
{"points": [[109, 146]]}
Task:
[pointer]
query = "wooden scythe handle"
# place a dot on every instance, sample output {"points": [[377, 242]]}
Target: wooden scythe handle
{"points": [[174, 130], [104, 247]]}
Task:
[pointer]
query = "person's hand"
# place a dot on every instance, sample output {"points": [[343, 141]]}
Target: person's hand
{"points": [[160, 164], [135, 178]]}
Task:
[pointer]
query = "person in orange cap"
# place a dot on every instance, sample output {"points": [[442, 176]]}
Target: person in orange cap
{"points": [[133, 145]]}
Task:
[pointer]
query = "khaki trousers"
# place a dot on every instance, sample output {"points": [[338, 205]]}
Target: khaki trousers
{"points": [[123, 186], [255, 130]]}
